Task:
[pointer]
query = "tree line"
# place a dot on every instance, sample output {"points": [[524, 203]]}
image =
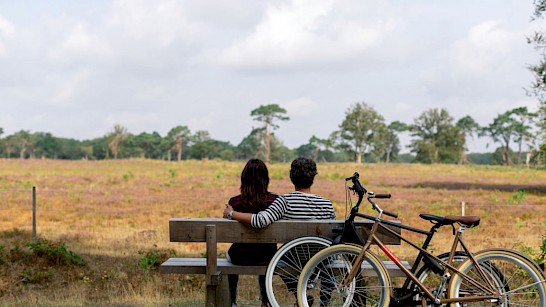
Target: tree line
{"points": [[363, 135]]}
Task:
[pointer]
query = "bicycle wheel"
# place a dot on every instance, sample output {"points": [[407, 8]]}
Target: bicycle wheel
{"points": [[516, 278], [281, 278], [322, 279]]}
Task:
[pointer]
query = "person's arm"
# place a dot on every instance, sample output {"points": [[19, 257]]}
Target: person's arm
{"points": [[229, 213], [271, 214]]}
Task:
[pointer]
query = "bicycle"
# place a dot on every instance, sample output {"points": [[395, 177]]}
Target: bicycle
{"points": [[287, 264], [491, 277]]}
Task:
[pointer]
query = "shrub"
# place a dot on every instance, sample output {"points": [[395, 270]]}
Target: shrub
{"points": [[518, 197], [153, 258], [55, 252], [30, 276]]}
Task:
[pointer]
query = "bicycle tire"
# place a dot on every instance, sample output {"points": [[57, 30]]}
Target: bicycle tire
{"points": [[285, 267], [321, 279], [521, 282]]}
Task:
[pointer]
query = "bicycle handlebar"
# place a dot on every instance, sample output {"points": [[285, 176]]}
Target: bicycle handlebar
{"points": [[391, 214], [382, 196], [361, 191], [357, 186]]}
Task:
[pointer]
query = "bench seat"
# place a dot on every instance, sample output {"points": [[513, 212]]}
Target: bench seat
{"points": [[199, 265]]}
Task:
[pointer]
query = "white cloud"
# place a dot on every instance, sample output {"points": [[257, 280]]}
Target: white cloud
{"points": [[68, 88], [7, 29], [152, 25], [300, 107], [305, 33], [205, 122], [81, 44], [487, 46]]}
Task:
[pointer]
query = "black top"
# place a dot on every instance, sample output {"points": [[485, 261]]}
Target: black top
{"points": [[251, 253]]}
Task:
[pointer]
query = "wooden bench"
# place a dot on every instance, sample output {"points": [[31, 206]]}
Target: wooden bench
{"points": [[217, 230]]}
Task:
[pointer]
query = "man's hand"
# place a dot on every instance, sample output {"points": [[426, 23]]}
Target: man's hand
{"points": [[227, 211]]}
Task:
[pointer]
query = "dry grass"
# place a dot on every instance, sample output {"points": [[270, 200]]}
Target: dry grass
{"points": [[114, 212]]}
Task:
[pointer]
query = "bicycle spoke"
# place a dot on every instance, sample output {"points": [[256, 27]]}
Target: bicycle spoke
{"points": [[516, 281]]}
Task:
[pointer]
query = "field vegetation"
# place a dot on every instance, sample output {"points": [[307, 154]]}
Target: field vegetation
{"points": [[102, 226]]}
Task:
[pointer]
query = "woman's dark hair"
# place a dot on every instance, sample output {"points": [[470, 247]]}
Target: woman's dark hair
{"points": [[254, 183], [303, 172]]}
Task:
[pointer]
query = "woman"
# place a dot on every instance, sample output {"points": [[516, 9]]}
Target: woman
{"points": [[254, 198]]}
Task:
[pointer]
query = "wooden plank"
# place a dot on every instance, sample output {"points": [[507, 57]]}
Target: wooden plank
{"points": [[212, 254], [211, 265], [193, 230], [198, 266]]}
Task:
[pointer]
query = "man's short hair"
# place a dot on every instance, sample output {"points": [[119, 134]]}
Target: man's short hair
{"points": [[303, 172]]}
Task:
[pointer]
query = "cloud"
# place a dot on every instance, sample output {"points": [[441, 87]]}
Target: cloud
{"points": [[80, 44], [303, 34], [7, 29], [204, 122], [300, 107], [487, 47], [68, 88]]}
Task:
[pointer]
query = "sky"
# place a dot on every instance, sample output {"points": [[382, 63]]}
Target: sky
{"points": [[78, 68]]}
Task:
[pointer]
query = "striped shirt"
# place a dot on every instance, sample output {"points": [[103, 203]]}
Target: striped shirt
{"points": [[295, 206]]}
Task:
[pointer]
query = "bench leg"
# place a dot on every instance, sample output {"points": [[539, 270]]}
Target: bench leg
{"points": [[222, 292], [218, 295], [211, 296]]}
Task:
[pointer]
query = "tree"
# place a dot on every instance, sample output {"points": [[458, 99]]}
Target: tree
{"points": [[204, 147], [177, 137], [523, 131], [359, 131], [24, 143], [73, 149], [250, 145], [469, 127], [10, 145], [502, 130], [279, 152], [118, 134], [47, 146], [538, 86], [201, 136], [1, 142], [392, 142], [267, 115], [149, 145], [437, 139]]}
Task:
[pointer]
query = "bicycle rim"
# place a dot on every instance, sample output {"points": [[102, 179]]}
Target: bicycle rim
{"points": [[321, 282], [514, 276], [285, 268]]}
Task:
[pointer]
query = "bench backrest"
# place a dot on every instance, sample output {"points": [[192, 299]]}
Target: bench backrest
{"points": [[227, 231]]}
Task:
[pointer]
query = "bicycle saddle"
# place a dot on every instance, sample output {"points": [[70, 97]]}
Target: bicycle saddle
{"points": [[468, 221]]}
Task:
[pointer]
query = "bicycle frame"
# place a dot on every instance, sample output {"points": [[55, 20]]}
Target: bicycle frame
{"points": [[350, 235], [489, 290]]}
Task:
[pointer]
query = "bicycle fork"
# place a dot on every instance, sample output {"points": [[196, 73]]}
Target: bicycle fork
{"points": [[358, 261]]}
